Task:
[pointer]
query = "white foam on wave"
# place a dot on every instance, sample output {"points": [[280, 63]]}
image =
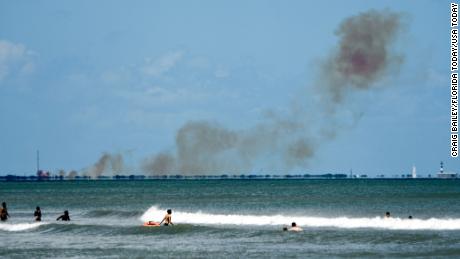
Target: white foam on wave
{"points": [[19, 226], [200, 218]]}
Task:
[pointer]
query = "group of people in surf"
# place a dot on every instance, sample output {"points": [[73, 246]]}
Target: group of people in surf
{"points": [[37, 214], [293, 227], [388, 215], [167, 221]]}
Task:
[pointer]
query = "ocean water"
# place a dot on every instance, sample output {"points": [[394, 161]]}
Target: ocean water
{"points": [[233, 219]]}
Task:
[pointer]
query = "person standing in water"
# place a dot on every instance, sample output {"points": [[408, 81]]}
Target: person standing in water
{"points": [[4, 212], [38, 214], [64, 217], [294, 227], [167, 218]]}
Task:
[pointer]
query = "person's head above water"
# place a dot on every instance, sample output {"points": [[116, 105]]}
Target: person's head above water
{"points": [[169, 211], [410, 217], [4, 204], [293, 224], [387, 214], [66, 212], [38, 208]]}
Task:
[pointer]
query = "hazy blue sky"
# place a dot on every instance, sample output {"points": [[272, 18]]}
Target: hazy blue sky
{"points": [[80, 78]]}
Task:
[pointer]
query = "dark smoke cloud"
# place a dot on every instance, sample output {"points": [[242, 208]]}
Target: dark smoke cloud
{"points": [[363, 56], [107, 163], [162, 163], [298, 151], [204, 147]]}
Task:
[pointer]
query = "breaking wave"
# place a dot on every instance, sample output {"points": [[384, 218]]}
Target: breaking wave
{"points": [[200, 218], [19, 226]]}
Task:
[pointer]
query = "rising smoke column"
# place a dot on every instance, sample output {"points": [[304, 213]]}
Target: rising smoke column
{"points": [[72, 174], [107, 163], [161, 164], [202, 147]]}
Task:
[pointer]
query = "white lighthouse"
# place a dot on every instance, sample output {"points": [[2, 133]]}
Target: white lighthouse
{"points": [[414, 172]]}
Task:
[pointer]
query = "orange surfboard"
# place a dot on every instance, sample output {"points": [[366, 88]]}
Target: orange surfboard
{"points": [[151, 224]]}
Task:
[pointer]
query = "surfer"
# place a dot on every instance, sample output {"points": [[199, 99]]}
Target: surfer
{"points": [[38, 214], [294, 227], [167, 219], [4, 212], [64, 217]]}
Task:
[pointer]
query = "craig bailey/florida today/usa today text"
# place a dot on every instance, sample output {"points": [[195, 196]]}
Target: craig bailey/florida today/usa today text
{"points": [[454, 80]]}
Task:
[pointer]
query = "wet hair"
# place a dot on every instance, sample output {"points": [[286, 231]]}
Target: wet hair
{"points": [[4, 204], [294, 224], [284, 228], [169, 211], [387, 214], [410, 217], [66, 212], [37, 208]]}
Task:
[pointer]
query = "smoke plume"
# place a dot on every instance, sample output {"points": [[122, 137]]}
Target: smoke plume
{"points": [[72, 174], [362, 57], [107, 163], [204, 147]]}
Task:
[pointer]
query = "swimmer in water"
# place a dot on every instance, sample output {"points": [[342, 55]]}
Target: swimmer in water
{"points": [[4, 212], [410, 217], [167, 219], [387, 215], [38, 214], [64, 217], [294, 227]]}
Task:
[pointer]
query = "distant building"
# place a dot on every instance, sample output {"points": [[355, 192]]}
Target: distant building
{"points": [[446, 175], [43, 174]]}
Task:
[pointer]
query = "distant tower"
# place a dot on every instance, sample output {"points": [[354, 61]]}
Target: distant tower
{"points": [[414, 172], [38, 161]]}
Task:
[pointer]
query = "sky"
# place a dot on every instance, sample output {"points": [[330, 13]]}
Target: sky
{"points": [[80, 79]]}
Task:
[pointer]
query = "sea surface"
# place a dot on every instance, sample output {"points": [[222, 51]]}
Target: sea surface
{"points": [[232, 219]]}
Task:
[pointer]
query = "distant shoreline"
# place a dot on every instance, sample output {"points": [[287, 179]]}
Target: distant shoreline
{"points": [[15, 178]]}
